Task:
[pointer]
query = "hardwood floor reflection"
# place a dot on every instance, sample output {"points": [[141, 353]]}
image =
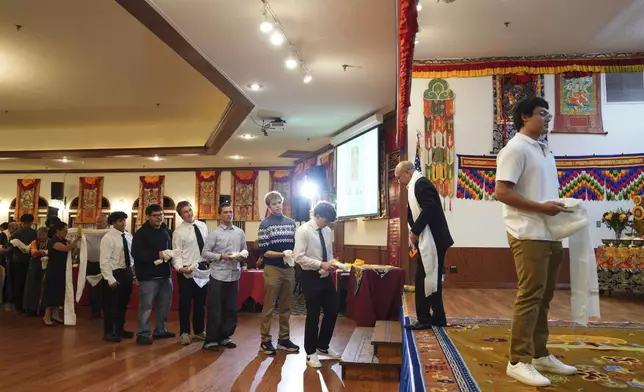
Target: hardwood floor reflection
{"points": [[34, 357]]}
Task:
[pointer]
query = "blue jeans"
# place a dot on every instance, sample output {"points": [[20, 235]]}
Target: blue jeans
{"points": [[158, 291]]}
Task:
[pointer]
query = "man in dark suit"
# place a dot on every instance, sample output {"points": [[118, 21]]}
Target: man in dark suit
{"points": [[429, 214]]}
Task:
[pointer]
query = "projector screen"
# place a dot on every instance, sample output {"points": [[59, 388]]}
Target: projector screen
{"points": [[357, 176]]}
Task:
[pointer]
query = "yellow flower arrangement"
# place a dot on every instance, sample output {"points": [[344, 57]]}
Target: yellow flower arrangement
{"points": [[617, 220]]}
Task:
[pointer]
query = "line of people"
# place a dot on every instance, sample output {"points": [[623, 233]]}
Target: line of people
{"points": [[208, 265]]}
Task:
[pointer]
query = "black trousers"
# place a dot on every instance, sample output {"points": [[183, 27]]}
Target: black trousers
{"points": [[430, 309], [115, 300], [319, 293], [94, 268], [189, 293], [222, 310], [18, 275]]}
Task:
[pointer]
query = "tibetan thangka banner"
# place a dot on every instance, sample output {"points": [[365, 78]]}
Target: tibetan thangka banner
{"points": [[280, 181], [508, 90], [438, 108], [244, 195], [151, 191], [28, 194], [578, 103], [207, 194], [591, 178], [90, 199]]}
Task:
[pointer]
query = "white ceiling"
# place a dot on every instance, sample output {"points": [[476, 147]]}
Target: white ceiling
{"points": [[327, 34], [475, 28]]}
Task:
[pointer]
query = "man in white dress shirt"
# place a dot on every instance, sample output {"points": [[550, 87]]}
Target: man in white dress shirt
{"points": [[187, 244], [314, 253], [117, 265]]}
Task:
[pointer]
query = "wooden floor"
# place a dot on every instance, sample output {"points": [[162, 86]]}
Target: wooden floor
{"points": [[74, 359]]}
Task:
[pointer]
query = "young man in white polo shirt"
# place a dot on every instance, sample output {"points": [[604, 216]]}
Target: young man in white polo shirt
{"points": [[527, 183]]}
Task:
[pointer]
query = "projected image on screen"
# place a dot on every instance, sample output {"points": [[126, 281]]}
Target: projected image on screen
{"points": [[357, 176]]}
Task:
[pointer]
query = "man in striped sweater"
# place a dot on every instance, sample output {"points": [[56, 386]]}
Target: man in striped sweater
{"points": [[276, 240]]}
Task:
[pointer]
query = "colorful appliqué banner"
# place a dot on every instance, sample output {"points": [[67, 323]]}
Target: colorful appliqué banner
{"points": [[280, 181], [592, 178], [27, 197], [508, 90], [244, 195], [438, 107], [578, 103], [207, 194], [476, 177], [151, 191], [90, 199]]}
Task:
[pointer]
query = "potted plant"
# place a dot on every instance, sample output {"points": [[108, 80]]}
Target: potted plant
{"points": [[617, 220]]}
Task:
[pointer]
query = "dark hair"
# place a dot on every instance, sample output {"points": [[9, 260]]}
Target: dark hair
{"points": [[153, 208], [325, 210], [181, 205], [223, 205], [27, 218], [526, 108], [116, 215], [52, 220], [59, 225], [4, 226]]}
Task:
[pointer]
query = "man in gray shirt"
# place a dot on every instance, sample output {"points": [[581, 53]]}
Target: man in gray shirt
{"points": [[224, 248]]}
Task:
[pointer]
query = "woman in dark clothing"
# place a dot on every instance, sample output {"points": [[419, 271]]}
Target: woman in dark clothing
{"points": [[33, 286], [53, 295]]}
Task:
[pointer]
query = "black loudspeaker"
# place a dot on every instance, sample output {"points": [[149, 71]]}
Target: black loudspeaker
{"points": [[224, 199], [301, 209], [57, 191], [317, 175]]}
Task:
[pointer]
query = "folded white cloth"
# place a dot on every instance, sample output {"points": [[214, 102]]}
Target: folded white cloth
{"points": [[20, 245], [43, 262], [288, 258], [201, 277], [240, 255], [337, 265], [159, 261], [584, 286], [168, 254], [94, 279]]}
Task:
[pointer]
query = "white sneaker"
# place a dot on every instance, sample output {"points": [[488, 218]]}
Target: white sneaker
{"points": [[329, 353], [186, 339], [551, 364], [527, 374], [313, 361]]}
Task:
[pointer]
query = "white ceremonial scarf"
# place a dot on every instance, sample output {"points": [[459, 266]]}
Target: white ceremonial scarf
{"points": [[70, 312], [584, 287], [426, 244]]}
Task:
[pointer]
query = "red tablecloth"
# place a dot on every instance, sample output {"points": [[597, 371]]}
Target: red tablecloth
{"points": [[251, 285], [378, 298]]}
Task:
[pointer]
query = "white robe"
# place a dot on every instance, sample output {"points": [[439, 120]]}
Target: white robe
{"points": [[426, 244], [584, 287]]}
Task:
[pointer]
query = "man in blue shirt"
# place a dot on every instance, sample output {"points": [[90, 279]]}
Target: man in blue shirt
{"points": [[276, 240]]}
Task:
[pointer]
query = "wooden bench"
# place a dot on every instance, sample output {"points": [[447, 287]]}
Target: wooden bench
{"points": [[359, 361]]}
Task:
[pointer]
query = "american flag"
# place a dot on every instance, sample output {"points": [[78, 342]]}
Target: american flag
{"points": [[417, 160]]}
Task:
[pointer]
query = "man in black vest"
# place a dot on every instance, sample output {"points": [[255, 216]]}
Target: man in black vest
{"points": [[426, 207], [20, 259]]}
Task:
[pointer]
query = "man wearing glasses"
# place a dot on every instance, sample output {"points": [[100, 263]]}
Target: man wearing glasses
{"points": [[526, 179], [151, 247]]}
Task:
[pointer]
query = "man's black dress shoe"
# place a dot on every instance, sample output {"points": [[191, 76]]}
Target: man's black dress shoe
{"points": [[416, 326]]}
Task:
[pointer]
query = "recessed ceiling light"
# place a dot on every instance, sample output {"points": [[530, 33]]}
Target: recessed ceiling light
{"points": [[277, 38], [247, 136], [64, 160], [419, 7], [290, 63], [307, 78], [266, 26], [155, 158], [255, 86], [236, 157]]}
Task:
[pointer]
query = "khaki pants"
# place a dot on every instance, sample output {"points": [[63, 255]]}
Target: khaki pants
{"points": [[278, 283], [537, 264]]}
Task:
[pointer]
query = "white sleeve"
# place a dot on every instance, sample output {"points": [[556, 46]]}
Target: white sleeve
{"points": [[106, 259], [177, 260], [299, 253], [509, 165]]}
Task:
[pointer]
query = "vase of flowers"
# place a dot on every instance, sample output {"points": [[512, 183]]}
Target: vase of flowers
{"points": [[617, 220]]}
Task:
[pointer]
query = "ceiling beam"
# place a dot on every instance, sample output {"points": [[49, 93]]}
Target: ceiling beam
{"points": [[102, 152]]}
